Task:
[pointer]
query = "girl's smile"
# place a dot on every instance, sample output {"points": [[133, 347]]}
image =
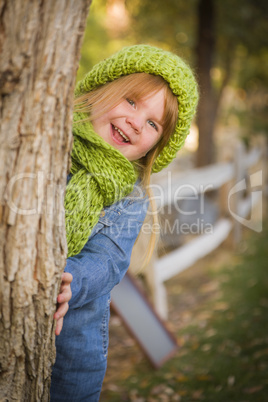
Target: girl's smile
{"points": [[119, 136], [134, 126]]}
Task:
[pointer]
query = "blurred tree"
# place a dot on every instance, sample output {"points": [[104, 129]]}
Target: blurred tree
{"points": [[227, 50], [106, 32], [208, 106], [170, 25], [234, 55], [243, 49], [215, 37], [96, 39], [40, 44], [177, 26]]}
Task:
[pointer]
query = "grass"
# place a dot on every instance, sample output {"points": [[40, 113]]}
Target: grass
{"points": [[219, 313]]}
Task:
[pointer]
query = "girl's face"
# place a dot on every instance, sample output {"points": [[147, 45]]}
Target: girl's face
{"points": [[134, 126]]}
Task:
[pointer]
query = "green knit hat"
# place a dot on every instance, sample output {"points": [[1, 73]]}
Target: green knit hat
{"points": [[151, 60]]}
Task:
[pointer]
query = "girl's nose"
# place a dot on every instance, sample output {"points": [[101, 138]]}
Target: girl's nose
{"points": [[136, 122]]}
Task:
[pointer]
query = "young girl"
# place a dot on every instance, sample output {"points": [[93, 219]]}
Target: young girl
{"points": [[132, 114]]}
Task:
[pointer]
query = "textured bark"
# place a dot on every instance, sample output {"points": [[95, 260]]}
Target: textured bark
{"points": [[39, 44], [206, 110]]}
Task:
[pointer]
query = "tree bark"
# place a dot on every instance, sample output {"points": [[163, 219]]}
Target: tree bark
{"points": [[206, 111], [40, 45]]}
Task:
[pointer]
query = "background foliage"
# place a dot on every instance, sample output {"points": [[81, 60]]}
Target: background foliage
{"points": [[240, 56]]}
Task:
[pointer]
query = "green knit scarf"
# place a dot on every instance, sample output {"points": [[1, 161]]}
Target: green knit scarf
{"points": [[101, 175]]}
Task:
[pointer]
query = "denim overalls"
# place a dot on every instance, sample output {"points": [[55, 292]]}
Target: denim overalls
{"points": [[82, 345]]}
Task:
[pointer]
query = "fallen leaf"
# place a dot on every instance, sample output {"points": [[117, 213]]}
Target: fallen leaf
{"points": [[231, 380], [112, 387], [206, 347], [180, 341], [264, 302], [252, 282], [221, 306], [183, 392], [197, 394], [182, 378], [163, 398], [169, 391], [260, 353], [176, 398], [157, 389], [252, 390], [209, 287], [204, 377], [204, 315], [210, 332], [195, 345]]}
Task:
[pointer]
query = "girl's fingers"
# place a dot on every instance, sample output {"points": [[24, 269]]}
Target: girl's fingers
{"points": [[63, 298], [65, 295], [65, 289], [61, 311], [59, 326], [66, 278]]}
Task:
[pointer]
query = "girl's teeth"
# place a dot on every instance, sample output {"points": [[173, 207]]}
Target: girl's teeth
{"points": [[121, 133]]}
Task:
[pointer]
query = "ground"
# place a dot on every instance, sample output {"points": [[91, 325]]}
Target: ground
{"points": [[218, 313]]}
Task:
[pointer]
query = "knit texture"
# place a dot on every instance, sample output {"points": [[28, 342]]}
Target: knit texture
{"points": [[101, 175], [152, 60]]}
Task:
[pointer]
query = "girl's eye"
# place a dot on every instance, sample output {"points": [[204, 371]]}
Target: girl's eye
{"points": [[131, 102], [152, 124]]}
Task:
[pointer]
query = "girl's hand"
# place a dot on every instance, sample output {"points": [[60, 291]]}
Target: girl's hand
{"points": [[63, 298]]}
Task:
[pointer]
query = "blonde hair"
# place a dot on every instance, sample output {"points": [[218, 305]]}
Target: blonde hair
{"points": [[138, 86]]}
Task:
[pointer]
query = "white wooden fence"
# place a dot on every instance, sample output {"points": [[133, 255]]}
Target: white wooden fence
{"points": [[222, 177]]}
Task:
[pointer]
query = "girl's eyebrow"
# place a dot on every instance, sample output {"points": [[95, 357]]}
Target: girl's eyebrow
{"points": [[156, 120], [160, 122]]}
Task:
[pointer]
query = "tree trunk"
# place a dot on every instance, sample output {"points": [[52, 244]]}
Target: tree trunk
{"points": [[206, 110], [40, 44]]}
